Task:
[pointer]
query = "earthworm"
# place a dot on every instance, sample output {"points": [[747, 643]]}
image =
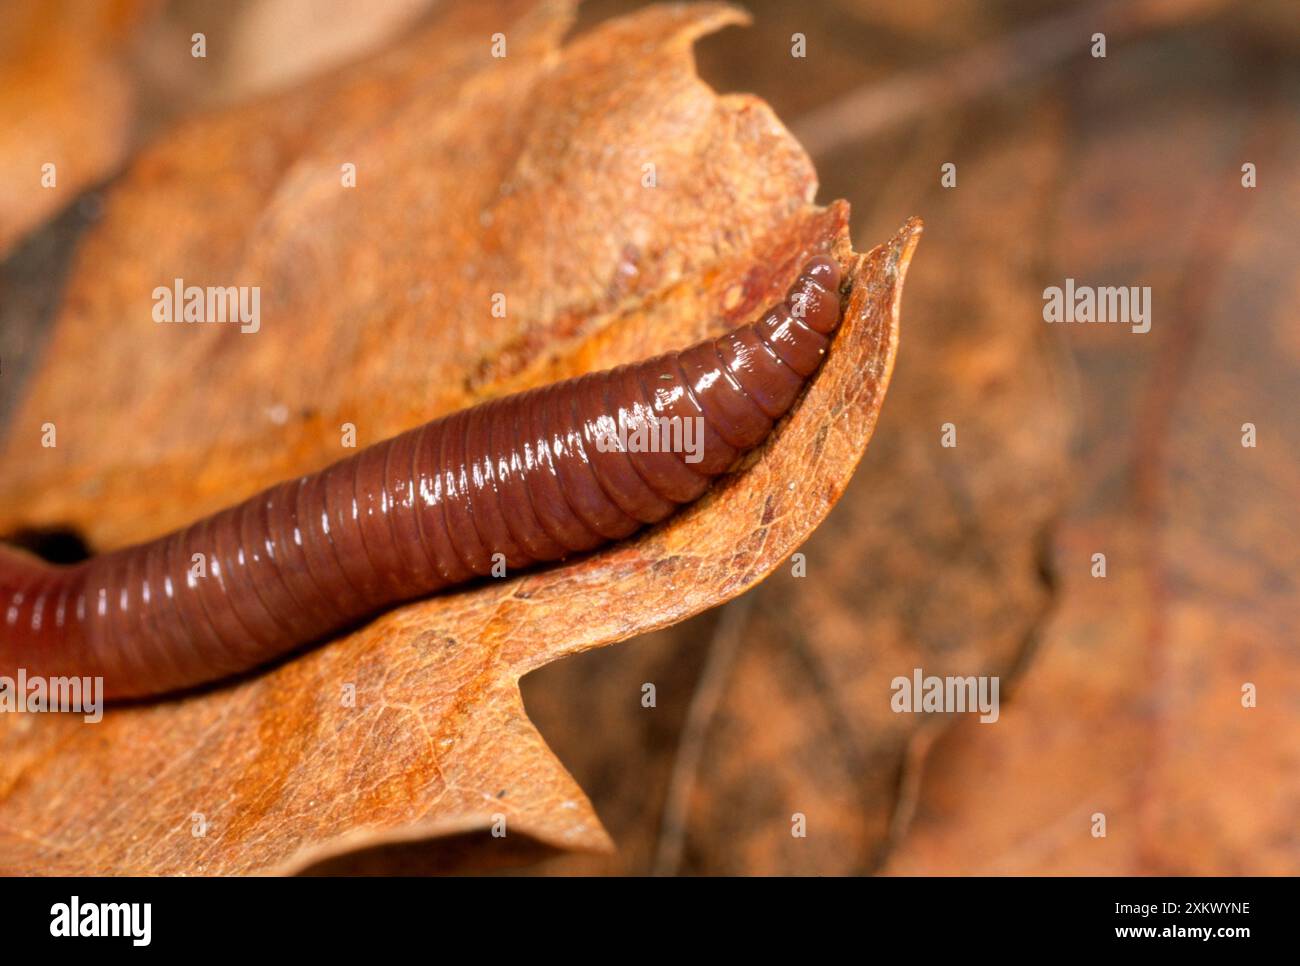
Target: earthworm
{"points": [[494, 488]]}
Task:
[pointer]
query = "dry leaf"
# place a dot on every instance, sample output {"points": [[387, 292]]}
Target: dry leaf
{"points": [[284, 774], [376, 311], [376, 301]]}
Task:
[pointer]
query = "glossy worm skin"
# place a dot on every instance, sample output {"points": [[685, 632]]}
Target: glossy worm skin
{"points": [[528, 477]]}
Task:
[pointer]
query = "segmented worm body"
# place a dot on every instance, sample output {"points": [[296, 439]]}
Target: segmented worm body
{"points": [[528, 478]]}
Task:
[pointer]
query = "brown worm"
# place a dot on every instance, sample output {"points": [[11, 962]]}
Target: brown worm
{"points": [[528, 478]]}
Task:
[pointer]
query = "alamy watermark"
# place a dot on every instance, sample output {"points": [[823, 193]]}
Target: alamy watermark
{"points": [[663, 434], [132, 920], [1116, 304], [949, 694], [239, 304], [35, 694]]}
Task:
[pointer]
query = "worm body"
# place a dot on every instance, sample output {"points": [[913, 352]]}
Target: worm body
{"points": [[516, 481]]}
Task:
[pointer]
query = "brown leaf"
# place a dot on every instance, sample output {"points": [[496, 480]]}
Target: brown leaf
{"points": [[386, 291], [376, 300], [438, 743]]}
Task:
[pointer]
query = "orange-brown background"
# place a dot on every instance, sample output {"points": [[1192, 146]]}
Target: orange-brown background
{"points": [[1120, 695]]}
